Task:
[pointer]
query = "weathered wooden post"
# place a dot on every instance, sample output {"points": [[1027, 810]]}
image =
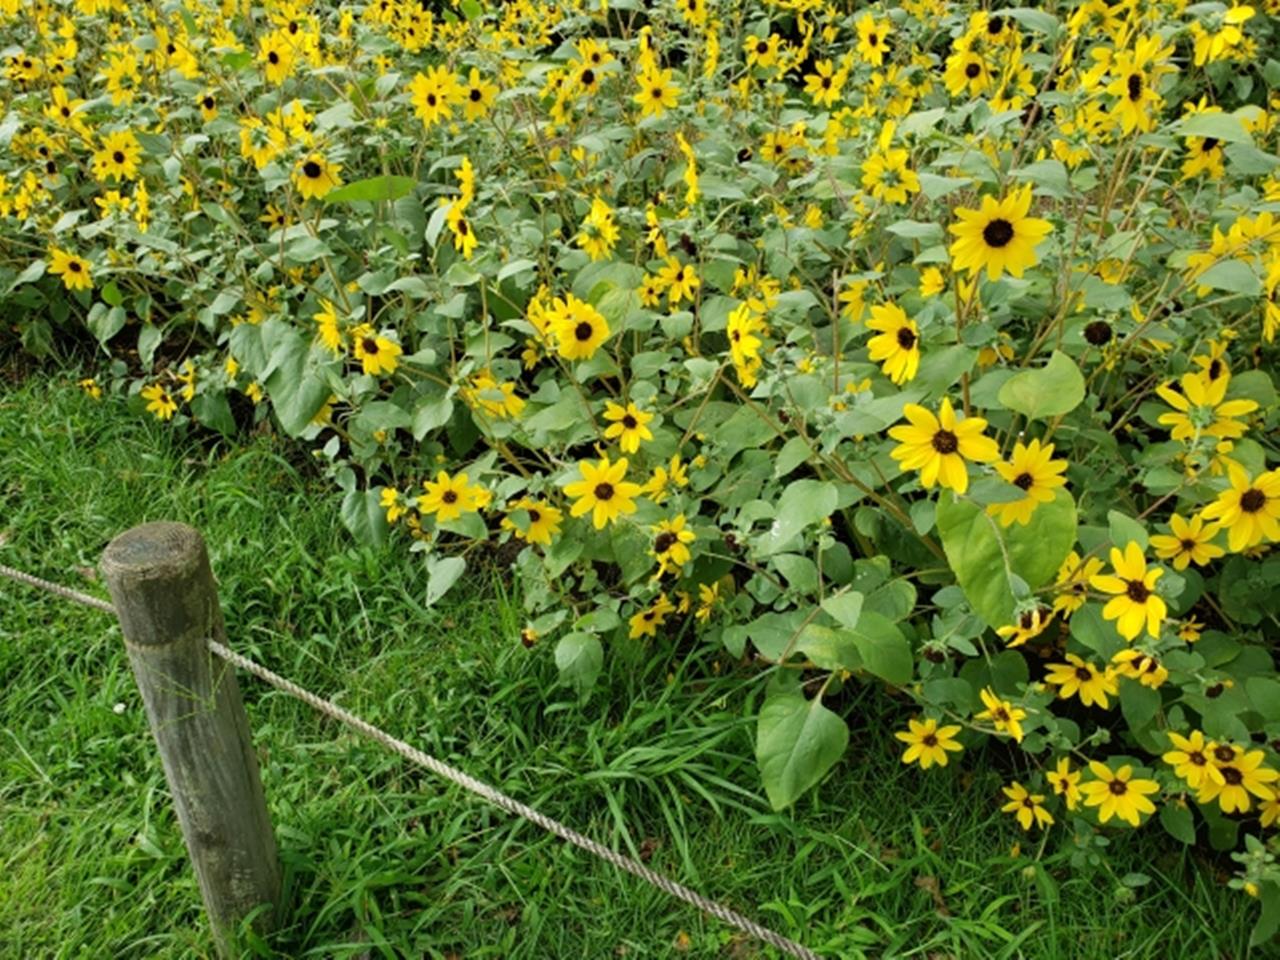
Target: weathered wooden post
{"points": [[165, 596]]}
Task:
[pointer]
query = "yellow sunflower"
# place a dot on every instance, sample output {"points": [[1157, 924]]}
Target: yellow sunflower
{"points": [[1248, 509], [627, 424], [314, 176], [603, 492], [1134, 602], [940, 447], [579, 328], [999, 236], [897, 346], [1032, 470], [1188, 542]]}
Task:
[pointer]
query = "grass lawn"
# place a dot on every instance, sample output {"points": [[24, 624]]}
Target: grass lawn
{"points": [[384, 861]]}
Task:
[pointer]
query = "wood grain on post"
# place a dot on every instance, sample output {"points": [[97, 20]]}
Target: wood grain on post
{"points": [[165, 596]]}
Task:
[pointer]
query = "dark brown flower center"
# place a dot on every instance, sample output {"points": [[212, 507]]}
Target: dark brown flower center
{"points": [[208, 103], [906, 338], [1098, 332], [972, 70], [1208, 144], [629, 422], [997, 233], [1215, 369], [431, 99], [1118, 787], [74, 266], [1024, 481], [664, 542], [449, 497], [945, 442], [1197, 758], [1134, 83], [369, 345], [118, 156], [995, 25], [1252, 500], [603, 491], [1084, 674], [1224, 754], [311, 169], [1187, 545], [872, 39], [1137, 591], [475, 94], [273, 58], [588, 77], [1233, 776], [534, 516]]}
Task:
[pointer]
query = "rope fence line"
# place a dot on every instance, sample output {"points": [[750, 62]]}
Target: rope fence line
{"points": [[455, 776]]}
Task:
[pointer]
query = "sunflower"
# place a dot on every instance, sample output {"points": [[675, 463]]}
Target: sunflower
{"points": [[1190, 759], [159, 401], [1004, 716], [646, 622], [477, 95], [628, 424], [449, 497], [999, 236], [598, 233], [940, 447], [1029, 625], [824, 85], [464, 237], [927, 743], [276, 54], [1134, 602], [1033, 471], [657, 94], [118, 156], [744, 327], [1248, 509], [434, 94], [328, 327], [579, 328], [1134, 76], [314, 176], [208, 106], [1188, 542], [871, 39], [679, 280], [1072, 582], [1065, 782], [75, 270], [377, 354], [897, 348], [1213, 416], [540, 522], [1117, 794], [967, 73], [889, 177], [1026, 806], [671, 544], [1241, 774], [1079, 678], [1143, 667], [602, 491]]}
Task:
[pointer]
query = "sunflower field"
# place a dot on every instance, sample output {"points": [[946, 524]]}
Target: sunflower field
{"points": [[923, 345]]}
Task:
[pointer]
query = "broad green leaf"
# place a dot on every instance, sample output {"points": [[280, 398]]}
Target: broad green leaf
{"points": [[295, 384], [797, 742], [372, 190], [883, 648], [442, 574], [802, 503], [1233, 276], [1225, 127], [1175, 817], [976, 546], [1269, 918], [579, 657], [1125, 530], [1048, 391], [363, 516], [828, 648], [845, 608]]}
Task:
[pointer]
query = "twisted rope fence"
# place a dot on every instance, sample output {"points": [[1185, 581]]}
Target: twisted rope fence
{"points": [[446, 771]]}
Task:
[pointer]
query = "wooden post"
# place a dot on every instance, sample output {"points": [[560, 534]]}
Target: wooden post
{"points": [[167, 602]]}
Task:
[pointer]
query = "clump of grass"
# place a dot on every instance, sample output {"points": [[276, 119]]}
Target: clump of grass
{"points": [[382, 859]]}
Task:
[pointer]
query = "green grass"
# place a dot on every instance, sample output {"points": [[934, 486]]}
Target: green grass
{"points": [[386, 861]]}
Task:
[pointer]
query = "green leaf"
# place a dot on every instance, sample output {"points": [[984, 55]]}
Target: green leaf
{"points": [[797, 742], [579, 658], [371, 190], [802, 503], [973, 540], [1138, 703], [1233, 276], [828, 648], [1177, 821], [442, 574], [845, 608], [363, 515], [1269, 919], [1220, 126], [1049, 391], [885, 651], [1125, 530], [294, 382]]}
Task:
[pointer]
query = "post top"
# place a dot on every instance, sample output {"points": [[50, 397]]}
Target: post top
{"points": [[153, 550]]}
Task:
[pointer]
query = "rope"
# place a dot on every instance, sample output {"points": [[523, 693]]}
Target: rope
{"points": [[453, 775], [67, 592]]}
